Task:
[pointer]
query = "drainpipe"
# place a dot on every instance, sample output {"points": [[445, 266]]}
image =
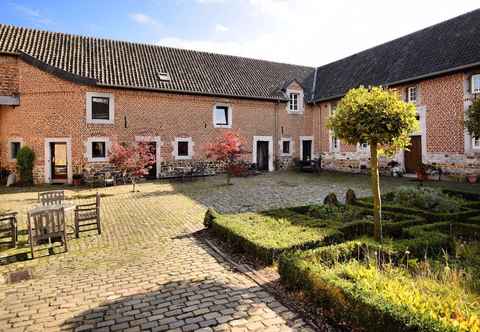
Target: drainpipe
{"points": [[275, 134]]}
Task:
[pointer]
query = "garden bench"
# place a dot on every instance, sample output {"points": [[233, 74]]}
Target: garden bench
{"points": [[54, 197]]}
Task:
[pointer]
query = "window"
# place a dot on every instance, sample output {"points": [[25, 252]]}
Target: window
{"points": [[476, 142], [476, 83], [183, 148], [334, 141], [412, 94], [100, 108], [222, 116], [363, 147], [14, 148], [293, 103], [97, 149], [286, 147]]}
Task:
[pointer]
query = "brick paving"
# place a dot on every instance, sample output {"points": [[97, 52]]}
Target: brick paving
{"points": [[145, 272]]}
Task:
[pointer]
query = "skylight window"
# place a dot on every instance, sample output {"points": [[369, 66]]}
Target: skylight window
{"points": [[164, 76]]}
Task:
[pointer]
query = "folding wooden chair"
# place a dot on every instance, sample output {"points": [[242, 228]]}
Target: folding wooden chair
{"points": [[8, 229], [54, 197], [87, 217], [47, 226]]}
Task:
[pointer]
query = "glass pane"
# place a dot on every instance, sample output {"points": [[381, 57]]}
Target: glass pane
{"points": [[221, 115], [100, 108], [286, 147], [476, 83], [183, 149], [98, 150], [15, 147]]}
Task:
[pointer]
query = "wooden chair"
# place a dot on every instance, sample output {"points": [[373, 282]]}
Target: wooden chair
{"points": [[54, 197], [88, 215], [8, 229], [47, 226]]}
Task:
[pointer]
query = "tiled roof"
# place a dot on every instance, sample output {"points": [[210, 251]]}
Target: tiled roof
{"points": [[124, 64], [446, 46]]}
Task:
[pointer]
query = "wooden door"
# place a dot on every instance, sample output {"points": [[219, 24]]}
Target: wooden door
{"points": [[152, 172], [413, 158], [262, 155]]}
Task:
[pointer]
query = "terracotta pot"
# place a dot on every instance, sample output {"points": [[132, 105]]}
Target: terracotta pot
{"points": [[421, 176], [472, 179], [77, 182]]}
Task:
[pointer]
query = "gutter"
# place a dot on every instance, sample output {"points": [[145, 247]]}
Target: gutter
{"points": [[410, 79]]}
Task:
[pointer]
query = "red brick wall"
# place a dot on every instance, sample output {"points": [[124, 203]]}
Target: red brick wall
{"points": [[51, 107], [8, 76]]}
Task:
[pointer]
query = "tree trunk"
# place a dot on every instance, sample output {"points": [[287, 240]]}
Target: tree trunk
{"points": [[377, 201], [133, 182], [229, 178]]}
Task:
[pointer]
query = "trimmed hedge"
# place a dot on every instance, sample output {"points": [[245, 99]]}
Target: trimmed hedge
{"points": [[266, 236], [461, 216], [374, 299]]}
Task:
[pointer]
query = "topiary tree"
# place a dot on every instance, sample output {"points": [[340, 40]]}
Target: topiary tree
{"points": [[472, 119], [25, 159], [380, 118]]}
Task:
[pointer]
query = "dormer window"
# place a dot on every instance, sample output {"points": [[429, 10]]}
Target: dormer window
{"points": [[412, 94], [293, 102], [476, 84]]}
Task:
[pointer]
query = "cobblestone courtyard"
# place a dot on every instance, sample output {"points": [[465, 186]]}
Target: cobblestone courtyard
{"points": [[146, 271]]}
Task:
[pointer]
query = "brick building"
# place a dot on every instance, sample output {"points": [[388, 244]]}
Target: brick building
{"points": [[70, 97]]}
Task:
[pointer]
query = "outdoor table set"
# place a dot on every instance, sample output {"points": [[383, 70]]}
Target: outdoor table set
{"points": [[47, 221]]}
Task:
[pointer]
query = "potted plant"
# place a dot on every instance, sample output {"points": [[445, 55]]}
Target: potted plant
{"points": [[77, 179], [472, 178]]}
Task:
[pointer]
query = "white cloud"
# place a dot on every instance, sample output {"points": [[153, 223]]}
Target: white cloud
{"points": [[312, 32], [143, 19], [32, 14], [221, 28]]}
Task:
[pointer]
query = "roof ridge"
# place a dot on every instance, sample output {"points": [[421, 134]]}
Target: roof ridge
{"points": [[149, 45], [401, 37]]}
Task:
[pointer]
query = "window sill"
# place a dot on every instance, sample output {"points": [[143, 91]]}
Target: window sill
{"points": [[100, 122], [97, 160], [183, 157], [295, 112], [222, 126]]}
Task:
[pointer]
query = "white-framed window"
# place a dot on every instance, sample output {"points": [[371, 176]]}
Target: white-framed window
{"points": [[476, 143], [412, 94], [362, 147], [222, 116], [14, 145], [293, 102], [476, 83], [97, 149], [100, 108], [334, 141], [183, 148], [286, 146]]}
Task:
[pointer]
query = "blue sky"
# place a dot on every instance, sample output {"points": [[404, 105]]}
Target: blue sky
{"points": [[309, 32]]}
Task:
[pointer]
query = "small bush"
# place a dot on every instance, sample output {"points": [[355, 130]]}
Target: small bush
{"points": [[25, 160], [424, 198]]}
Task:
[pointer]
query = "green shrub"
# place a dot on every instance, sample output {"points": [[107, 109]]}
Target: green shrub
{"points": [[267, 235], [25, 160], [386, 299], [424, 198]]}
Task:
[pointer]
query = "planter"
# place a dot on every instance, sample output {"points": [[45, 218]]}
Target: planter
{"points": [[77, 181], [472, 179], [421, 176]]}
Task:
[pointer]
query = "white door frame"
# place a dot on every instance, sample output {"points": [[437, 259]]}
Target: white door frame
{"points": [[48, 161], [422, 113], [158, 146], [306, 138], [268, 139]]}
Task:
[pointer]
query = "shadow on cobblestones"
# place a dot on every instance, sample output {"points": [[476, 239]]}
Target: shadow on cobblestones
{"points": [[189, 305]]}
